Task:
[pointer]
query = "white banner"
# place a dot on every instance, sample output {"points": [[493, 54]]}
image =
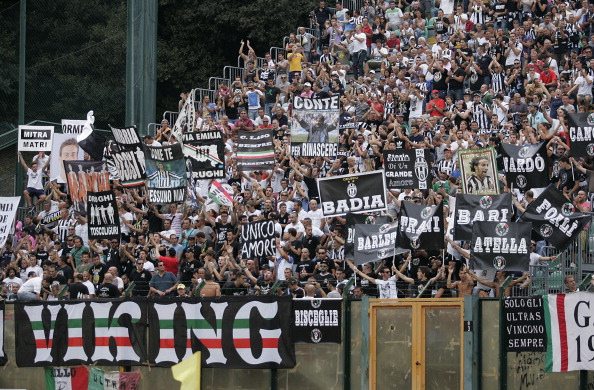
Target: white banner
{"points": [[8, 209], [64, 148], [73, 126], [35, 138]]}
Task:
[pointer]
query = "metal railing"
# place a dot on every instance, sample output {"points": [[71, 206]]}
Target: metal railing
{"points": [[230, 72], [215, 82], [199, 94], [275, 51], [151, 128], [171, 116]]}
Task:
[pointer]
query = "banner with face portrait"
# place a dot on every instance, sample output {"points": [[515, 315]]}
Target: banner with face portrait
{"points": [[408, 169], [165, 174], [420, 226], [315, 120], [84, 177], [581, 134], [526, 166], [478, 171], [64, 148]]}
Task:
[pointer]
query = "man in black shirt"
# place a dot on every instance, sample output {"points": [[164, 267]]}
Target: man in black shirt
{"points": [[141, 279], [78, 290], [107, 289], [98, 270]]}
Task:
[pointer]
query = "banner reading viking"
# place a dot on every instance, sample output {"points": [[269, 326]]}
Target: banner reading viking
{"points": [[503, 246], [408, 169], [420, 226], [581, 134], [257, 240], [317, 320], [526, 166], [375, 242], [478, 171], [205, 151], [353, 219], [231, 332], [255, 150], [83, 177], [103, 219], [35, 138], [363, 192], [128, 157], [165, 174], [479, 208], [315, 120], [555, 218], [8, 209]]}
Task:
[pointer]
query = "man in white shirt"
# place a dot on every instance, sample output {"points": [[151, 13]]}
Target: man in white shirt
{"points": [[316, 215], [31, 289]]}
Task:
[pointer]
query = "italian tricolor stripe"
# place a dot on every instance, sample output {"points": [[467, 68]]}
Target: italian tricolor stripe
{"points": [[66, 378]]}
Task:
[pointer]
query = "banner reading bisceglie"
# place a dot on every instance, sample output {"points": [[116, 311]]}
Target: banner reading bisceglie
{"points": [[8, 209], [165, 174], [35, 138]]}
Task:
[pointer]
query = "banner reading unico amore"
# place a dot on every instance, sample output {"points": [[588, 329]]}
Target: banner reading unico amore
{"points": [[230, 332]]}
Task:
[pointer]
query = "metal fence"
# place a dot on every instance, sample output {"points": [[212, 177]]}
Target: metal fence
{"points": [[199, 94], [231, 72], [171, 116], [215, 82], [275, 51]]}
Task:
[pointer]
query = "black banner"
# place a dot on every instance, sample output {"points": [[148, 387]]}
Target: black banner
{"points": [[206, 153], [314, 149], [257, 240], [524, 324], [351, 220], [165, 174], [363, 192], [554, 218], [255, 150], [127, 156], [83, 177], [231, 332], [420, 226], [103, 219], [471, 208], [317, 320], [126, 136], [526, 166], [375, 242], [581, 128], [3, 359], [50, 219], [503, 246], [408, 168]]}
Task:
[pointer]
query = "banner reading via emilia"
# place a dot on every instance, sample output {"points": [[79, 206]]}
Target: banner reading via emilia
{"points": [[35, 138], [8, 209], [362, 192], [205, 151], [103, 219], [314, 126], [165, 173], [478, 171]]}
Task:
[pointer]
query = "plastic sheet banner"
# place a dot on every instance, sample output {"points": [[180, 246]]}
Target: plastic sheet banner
{"points": [[230, 332]]}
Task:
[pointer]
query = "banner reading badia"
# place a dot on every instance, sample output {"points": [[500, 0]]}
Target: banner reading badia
{"points": [[503, 246], [257, 240], [555, 218], [83, 177], [127, 157], [526, 166], [581, 134], [317, 320], [315, 120], [374, 242], [205, 151], [408, 168], [420, 226], [478, 208], [35, 138], [255, 150], [363, 192], [8, 209], [478, 171], [103, 219], [165, 174]]}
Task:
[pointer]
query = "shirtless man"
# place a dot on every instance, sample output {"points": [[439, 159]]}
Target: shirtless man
{"points": [[210, 288], [464, 285]]}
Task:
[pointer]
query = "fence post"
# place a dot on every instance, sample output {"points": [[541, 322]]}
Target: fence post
{"points": [[364, 342], [346, 336], [502, 352]]}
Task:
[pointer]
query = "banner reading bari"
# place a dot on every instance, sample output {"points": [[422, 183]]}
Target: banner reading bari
{"points": [[503, 246], [581, 134], [526, 166], [315, 120], [103, 219], [478, 171], [35, 138], [408, 168], [165, 174], [317, 320], [257, 240], [255, 150], [478, 208], [205, 151], [83, 177], [362, 192]]}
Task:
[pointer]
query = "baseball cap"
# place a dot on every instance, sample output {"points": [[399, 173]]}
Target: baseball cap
{"points": [[181, 285], [435, 91], [308, 84]]}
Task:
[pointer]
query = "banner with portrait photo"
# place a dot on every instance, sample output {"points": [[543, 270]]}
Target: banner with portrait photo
{"points": [[420, 226], [478, 208], [255, 151], [408, 169], [526, 166], [581, 134], [315, 120], [205, 152], [83, 177], [64, 148], [361, 192], [503, 246], [165, 174], [478, 171], [103, 219], [35, 138]]}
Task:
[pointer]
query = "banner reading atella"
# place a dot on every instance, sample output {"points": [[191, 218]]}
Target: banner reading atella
{"points": [[526, 166], [83, 177], [231, 332], [165, 174], [503, 246], [205, 151], [255, 150], [127, 156], [581, 134], [35, 138], [317, 320], [363, 192], [8, 209], [315, 120], [408, 168], [103, 219]]}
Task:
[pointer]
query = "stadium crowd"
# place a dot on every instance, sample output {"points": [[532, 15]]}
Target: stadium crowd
{"points": [[445, 76]]}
